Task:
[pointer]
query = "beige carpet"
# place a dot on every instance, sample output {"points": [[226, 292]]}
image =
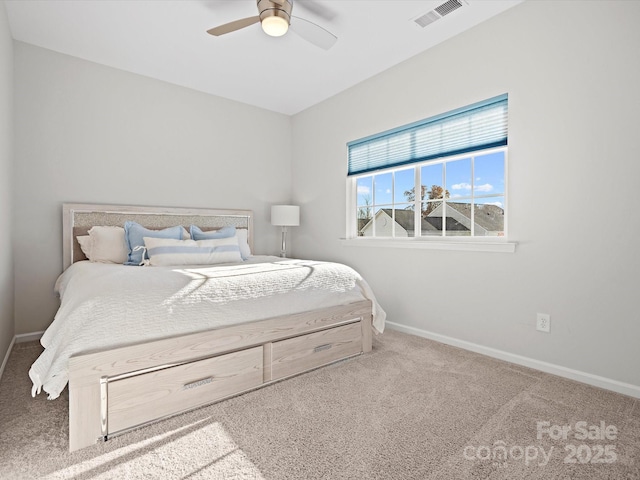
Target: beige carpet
{"points": [[412, 409]]}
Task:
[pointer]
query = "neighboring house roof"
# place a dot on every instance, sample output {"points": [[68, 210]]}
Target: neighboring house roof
{"points": [[489, 217], [363, 222], [405, 218], [435, 223]]}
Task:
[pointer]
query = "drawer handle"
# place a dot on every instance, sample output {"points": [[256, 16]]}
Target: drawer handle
{"points": [[197, 383], [319, 348]]}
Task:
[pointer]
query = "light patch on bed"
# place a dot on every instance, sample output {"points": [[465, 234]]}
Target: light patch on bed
{"points": [[231, 283], [207, 451]]}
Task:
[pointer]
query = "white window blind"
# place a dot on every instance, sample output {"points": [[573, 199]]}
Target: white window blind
{"points": [[474, 127]]}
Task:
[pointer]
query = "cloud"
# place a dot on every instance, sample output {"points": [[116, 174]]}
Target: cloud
{"points": [[363, 190], [487, 187], [497, 204]]}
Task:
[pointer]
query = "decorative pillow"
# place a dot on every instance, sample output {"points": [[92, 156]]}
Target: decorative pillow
{"points": [[107, 245], [85, 245], [163, 251], [243, 242], [104, 244], [134, 236], [225, 232]]}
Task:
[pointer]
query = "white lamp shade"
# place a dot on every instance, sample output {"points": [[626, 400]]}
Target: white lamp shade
{"points": [[285, 215]]}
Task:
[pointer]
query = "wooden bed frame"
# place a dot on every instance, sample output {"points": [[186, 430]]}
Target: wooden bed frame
{"points": [[115, 390]]}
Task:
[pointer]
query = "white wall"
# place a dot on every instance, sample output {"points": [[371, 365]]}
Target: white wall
{"points": [[572, 73], [90, 133], [6, 182]]}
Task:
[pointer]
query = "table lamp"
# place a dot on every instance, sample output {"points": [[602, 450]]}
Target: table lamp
{"points": [[285, 216]]}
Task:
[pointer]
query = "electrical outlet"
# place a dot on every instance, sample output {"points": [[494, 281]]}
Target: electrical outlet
{"points": [[543, 322]]}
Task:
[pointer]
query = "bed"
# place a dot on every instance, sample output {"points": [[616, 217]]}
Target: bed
{"points": [[137, 344]]}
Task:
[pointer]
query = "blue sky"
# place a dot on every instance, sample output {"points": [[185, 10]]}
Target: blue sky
{"points": [[488, 181]]}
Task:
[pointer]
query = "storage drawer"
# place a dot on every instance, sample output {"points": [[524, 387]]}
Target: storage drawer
{"points": [[299, 354], [142, 398]]}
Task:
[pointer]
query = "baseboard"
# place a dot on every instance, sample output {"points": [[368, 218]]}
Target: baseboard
{"points": [[28, 337], [6, 357], [588, 378], [21, 338]]}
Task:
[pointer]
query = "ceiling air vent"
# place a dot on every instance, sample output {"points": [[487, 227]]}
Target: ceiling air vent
{"points": [[437, 13]]}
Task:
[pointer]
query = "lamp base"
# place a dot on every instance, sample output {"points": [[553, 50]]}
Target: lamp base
{"points": [[283, 250]]}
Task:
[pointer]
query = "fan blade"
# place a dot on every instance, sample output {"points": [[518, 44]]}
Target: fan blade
{"points": [[316, 10], [313, 33], [233, 26]]}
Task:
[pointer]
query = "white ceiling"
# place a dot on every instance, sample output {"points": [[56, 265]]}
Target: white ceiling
{"points": [[167, 40]]}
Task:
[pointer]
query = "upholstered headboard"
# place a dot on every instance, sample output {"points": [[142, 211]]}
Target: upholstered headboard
{"points": [[78, 218]]}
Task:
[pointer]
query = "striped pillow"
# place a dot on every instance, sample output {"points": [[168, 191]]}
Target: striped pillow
{"points": [[241, 233], [165, 251], [134, 234]]}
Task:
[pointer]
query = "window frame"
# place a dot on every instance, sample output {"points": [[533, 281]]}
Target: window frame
{"points": [[377, 154], [352, 196]]}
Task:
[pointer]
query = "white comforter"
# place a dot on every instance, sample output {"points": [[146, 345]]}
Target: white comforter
{"points": [[107, 305]]}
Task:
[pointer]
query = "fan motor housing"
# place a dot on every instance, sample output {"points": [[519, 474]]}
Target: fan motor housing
{"points": [[268, 8]]}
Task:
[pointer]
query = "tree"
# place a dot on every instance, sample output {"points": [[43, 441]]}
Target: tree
{"points": [[364, 214], [436, 192], [411, 195]]}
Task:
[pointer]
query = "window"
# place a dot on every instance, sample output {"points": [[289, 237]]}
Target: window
{"points": [[441, 177]]}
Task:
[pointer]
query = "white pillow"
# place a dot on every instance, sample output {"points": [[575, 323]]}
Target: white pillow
{"points": [[85, 245], [167, 251], [103, 245], [107, 245], [243, 242]]}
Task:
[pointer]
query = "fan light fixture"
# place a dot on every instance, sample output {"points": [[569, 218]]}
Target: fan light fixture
{"points": [[275, 18], [275, 26]]}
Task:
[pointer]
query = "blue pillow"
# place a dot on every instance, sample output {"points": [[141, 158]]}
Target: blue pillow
{"points": [[134, 234], [224, 232]]}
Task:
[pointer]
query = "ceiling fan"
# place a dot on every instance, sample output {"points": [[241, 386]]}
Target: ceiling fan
{"points": [[275, 18]]}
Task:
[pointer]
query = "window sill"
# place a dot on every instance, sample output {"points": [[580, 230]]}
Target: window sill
{"points": [[469, 246]]}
